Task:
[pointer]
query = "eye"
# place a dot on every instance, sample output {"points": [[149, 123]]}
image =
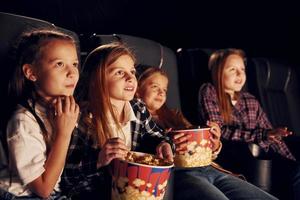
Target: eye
{"points": [[153, 86], [120, 73], [133, 72], [60, 64], [76, 64]]}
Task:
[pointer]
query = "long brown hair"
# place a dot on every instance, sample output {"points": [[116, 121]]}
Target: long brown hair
{"points": [[96, 64], [164, 113], [216, 64]]}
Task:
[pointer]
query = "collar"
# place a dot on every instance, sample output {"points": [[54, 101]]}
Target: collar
{"points": [[129, 114]]}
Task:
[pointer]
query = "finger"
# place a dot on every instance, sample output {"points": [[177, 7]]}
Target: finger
{"points": [[178, 135], [182, 139], [115, 140], [214, 133], [58, 106], [77, 108], [169, 156], [116, 144], [112, 156], [276, 140], [168, 130], [66, 105], [159, 152], [72, 104]]}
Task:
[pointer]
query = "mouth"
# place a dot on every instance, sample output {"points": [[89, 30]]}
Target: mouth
{"points": [[129, 89], [158, 100], [70, 86], [239, 82]]}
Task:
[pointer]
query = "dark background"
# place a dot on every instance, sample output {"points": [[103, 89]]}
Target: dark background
{"points": [[262, 28]]}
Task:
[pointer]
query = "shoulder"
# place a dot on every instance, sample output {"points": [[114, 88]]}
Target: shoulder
{"points": [[248, 96], [22, 121], [207, 88]]}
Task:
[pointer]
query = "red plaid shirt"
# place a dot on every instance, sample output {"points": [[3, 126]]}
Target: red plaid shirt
{"points": [[249, 122]]}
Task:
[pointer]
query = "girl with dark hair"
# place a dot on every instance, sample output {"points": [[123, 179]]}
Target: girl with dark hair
{"points": [[39, 131]]}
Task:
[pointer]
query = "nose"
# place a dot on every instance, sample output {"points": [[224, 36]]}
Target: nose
{"points": [[72, 71], [130, 77], [239, 72], [161, 92]]}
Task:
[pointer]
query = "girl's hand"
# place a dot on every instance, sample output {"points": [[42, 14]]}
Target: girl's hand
{"points": [[113, 148], [65, 115], [276, 135], [164, 151], [181, 141], [215, 134]]}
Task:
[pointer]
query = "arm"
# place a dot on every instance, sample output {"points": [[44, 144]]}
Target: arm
{"points": [[146, 133], [239, 130], [65, 120], [80, 172]]}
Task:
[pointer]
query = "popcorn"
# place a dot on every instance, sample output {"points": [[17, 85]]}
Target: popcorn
{"points": [[140, 176], [196, 156], [146, 159], [133, 193]]}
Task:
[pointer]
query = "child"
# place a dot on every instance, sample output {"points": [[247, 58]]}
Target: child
{"points": [[238, 113], [112, 123], [39, 131], [195, 183]]}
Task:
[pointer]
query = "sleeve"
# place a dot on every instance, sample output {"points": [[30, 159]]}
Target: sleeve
{"points": [[26, 147], [80, 171], [209, 110], [153, 135]]}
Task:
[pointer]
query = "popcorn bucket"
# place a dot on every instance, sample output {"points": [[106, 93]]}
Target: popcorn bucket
{"points": [[131, 180], [199, 148]]}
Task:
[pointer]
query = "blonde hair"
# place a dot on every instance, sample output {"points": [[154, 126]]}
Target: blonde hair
{"points": [[96, 64], [216, 64]]}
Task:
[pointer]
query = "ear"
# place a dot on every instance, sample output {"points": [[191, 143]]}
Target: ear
{"points": [[29, 72]]}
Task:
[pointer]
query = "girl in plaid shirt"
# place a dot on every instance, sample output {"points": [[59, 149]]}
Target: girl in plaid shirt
{"points": [[208, 182], [112, 123], [238, 113]]}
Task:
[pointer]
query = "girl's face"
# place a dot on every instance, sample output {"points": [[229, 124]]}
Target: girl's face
{"points": [[154, 92], [234, 76], [57, 69], [121, 80]]}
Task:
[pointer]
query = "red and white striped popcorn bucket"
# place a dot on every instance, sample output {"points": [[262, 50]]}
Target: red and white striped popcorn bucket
{"points": [[133, 181], [199, 148]]}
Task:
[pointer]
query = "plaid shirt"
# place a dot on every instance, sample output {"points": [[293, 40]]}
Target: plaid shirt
{"points": [[81, 173], [249, 122]]}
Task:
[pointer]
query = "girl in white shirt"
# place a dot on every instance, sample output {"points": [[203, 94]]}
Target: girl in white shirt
{"points": [[39, 131]]}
